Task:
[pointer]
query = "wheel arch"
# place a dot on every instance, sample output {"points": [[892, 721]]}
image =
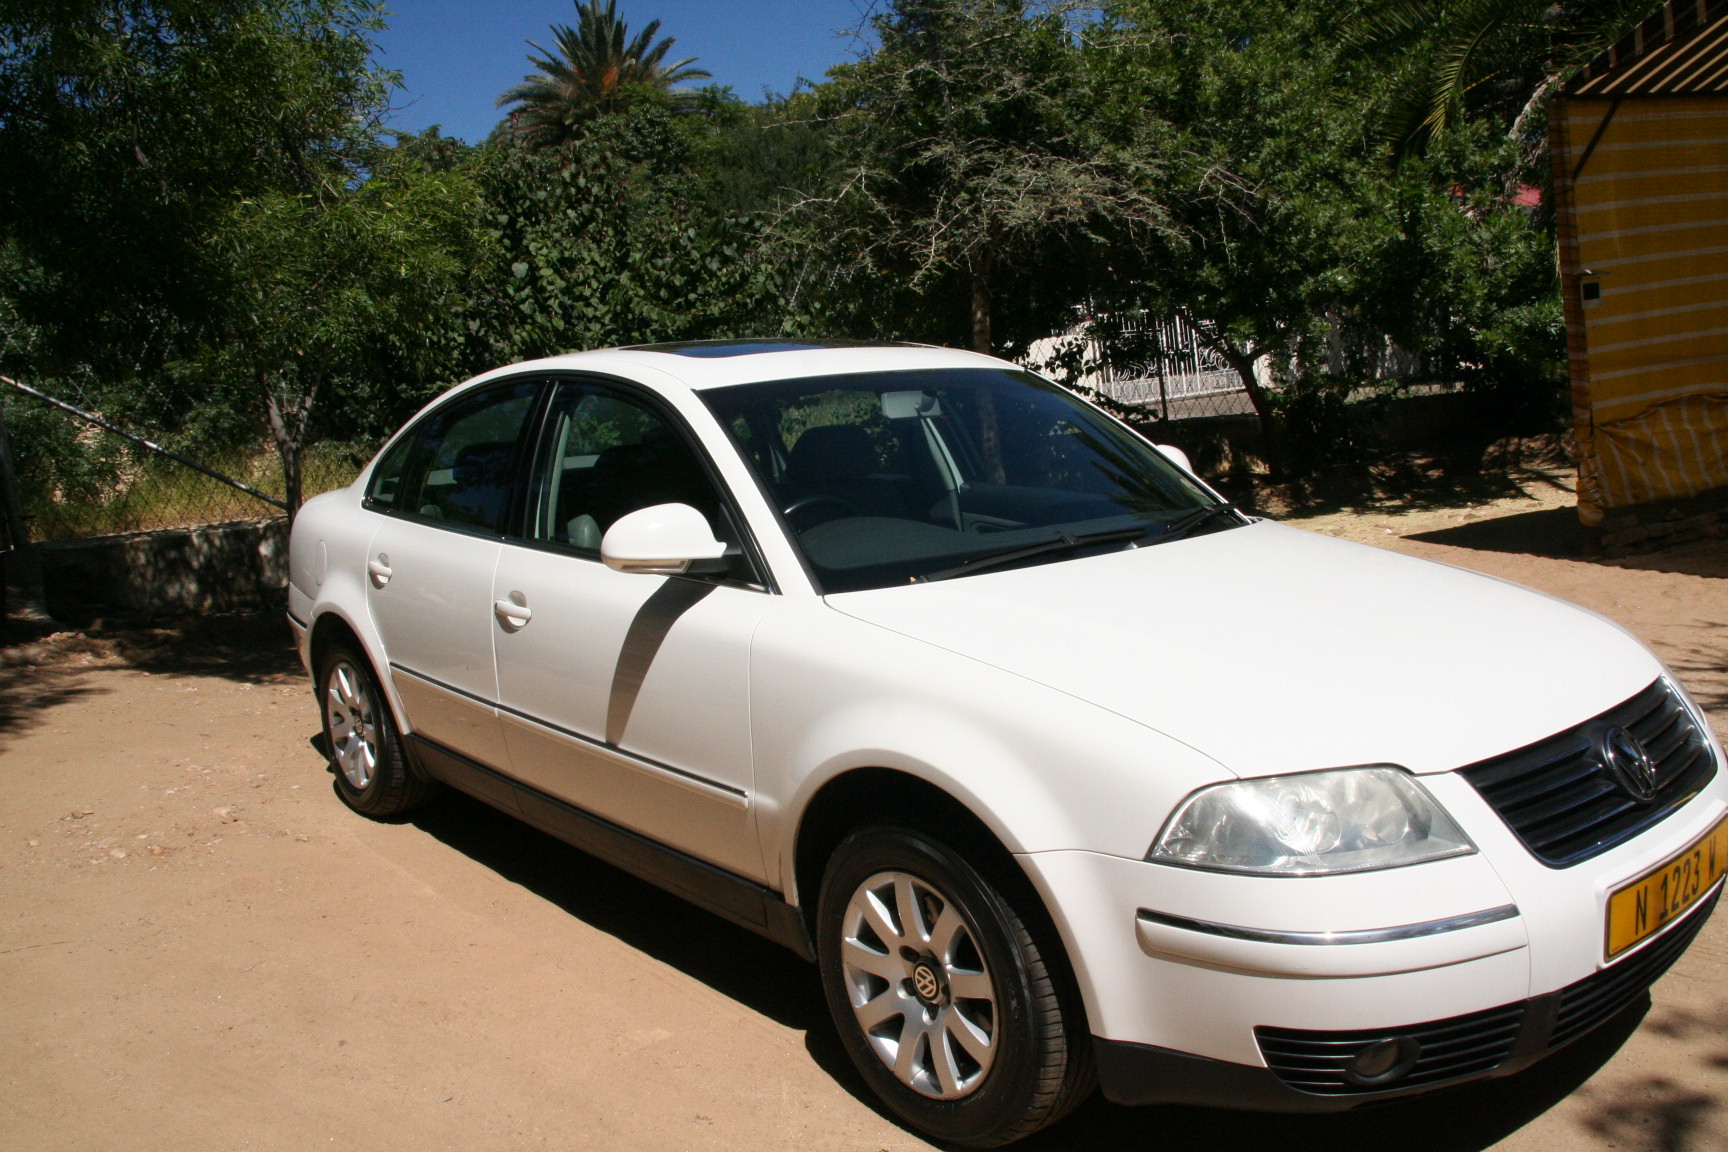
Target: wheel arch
{"points": [[871, 794], [330, 625], [866, 795], [328, 628]]}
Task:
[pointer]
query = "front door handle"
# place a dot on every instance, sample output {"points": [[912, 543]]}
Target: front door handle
{"points": [[379, 570], [512, 614]]}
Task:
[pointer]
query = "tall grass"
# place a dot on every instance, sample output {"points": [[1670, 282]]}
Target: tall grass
{"points": [[117, 488]]}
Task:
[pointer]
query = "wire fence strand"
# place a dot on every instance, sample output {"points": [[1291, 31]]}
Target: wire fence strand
{"points": [[92, 478]]}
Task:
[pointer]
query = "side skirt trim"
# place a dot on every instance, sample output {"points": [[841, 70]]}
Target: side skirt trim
{"points": [[744, 902]]}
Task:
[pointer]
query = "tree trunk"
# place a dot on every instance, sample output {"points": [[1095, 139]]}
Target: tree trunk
{"points": [[288, 430], [1271, 426], [989, 440], [980, 271], [1242, 362], [21, 577]]}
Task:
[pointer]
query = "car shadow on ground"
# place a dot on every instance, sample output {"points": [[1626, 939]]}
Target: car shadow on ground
{"points": [[248, 648], [755, 972], [770, 980]]}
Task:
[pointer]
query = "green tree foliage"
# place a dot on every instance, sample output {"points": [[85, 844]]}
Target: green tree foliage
{"points": [[128, 128], [1278, 216], [761, 158], [204, 228], [1469, 278], [1295, 254], [611, 241], [597, 69], [208, 231], [967, 167], [339, 287]]}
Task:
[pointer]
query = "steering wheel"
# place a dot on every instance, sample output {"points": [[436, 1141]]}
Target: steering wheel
{"points": [[798, 510]]}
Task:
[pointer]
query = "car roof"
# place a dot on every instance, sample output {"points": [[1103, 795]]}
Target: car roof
{"points": [[702, 364]]}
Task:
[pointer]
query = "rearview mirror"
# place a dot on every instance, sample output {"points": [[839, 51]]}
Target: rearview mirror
{"points": [[663, 540], [909, 405]]}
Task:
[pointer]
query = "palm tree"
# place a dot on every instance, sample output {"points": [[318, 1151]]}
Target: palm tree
{"points": [[596, 69], [1502, 58]]}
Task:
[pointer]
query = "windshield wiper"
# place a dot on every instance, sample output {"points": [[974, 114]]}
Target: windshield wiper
{"points": [[1185, 526], [1062, 543]]}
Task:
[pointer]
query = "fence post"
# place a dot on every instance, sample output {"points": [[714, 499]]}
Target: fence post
{"points": [[22, 574]]}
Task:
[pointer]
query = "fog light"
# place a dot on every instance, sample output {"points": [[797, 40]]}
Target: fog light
{"points": [[1383, 1061]]}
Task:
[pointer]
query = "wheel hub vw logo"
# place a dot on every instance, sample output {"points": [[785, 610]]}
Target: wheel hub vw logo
{"points": [[925, 983], [1629, 765]]}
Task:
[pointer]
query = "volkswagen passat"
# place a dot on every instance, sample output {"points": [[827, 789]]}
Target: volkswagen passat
{"points": [[1062, 770]]}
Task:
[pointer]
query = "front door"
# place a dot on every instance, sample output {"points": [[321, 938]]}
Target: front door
{"points": [[627, 695]]}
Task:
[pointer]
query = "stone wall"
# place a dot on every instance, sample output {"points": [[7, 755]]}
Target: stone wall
{"points": [[221, 567], [1652, 527]]}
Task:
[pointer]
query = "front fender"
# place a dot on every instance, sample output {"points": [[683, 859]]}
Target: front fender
{"points": [[1044, 771]]}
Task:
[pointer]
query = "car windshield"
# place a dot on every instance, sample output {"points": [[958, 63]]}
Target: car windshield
{"points": [[894, 477]]}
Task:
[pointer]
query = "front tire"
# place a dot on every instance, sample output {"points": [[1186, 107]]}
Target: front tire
{"points": [[373, 776], [944, 999]]}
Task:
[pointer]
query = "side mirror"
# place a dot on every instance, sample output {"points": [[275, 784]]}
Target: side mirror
{"points": [[664, 540], [1176, 456]]}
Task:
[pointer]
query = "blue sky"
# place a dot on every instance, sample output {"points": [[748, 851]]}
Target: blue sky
{"points": [[456, 56]]}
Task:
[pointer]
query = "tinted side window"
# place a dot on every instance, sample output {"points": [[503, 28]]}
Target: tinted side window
{"points": [[386, 487], [457, 466], [602, 455]]}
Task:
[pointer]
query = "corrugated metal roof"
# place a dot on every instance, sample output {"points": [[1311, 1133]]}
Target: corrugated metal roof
{"points": [[1681, 50]]}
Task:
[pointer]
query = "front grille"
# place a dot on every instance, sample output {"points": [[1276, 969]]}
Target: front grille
{"points": [[1563, 803], [1600, 997], [1450, 1050]]}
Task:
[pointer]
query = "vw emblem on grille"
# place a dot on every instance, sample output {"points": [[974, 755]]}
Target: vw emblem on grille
{"points": [[1629, 765]]}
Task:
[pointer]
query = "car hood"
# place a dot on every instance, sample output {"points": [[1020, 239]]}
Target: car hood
{"points": [[1272, 649]]}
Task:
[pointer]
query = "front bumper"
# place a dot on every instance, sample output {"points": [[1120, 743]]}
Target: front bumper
{"points": [[1209, 988], [1305, 1072]]}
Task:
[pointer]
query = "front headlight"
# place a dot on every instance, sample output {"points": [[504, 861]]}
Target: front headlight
{"points": [[1345, 820]]}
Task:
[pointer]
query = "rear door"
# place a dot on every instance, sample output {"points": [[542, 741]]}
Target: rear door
{"points": [[443, 495]]}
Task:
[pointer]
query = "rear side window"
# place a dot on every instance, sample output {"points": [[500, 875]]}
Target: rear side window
{"points": [[458, 465]]}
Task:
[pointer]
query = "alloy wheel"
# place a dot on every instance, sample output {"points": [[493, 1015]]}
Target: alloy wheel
{"points": [[918, 985], [348, 712]]}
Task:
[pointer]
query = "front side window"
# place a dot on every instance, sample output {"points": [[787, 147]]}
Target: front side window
{"points": [[603, 454], [457, 466], [890, 477]]}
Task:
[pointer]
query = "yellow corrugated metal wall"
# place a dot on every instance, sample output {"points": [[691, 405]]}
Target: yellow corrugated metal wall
{"points": [[1650, 212]]}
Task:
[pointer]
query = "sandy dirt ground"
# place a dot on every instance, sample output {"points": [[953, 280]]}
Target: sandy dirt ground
{"points": [[201, 949]]}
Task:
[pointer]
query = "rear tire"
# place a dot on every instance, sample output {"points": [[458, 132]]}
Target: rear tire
{"points": [[373, 776], [943, 996]]}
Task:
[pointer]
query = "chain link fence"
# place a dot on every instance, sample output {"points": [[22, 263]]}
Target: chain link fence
{"points": [[81, 476]]}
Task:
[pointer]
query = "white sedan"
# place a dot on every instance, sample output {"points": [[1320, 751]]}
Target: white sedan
{"points": [[1064, 771]]}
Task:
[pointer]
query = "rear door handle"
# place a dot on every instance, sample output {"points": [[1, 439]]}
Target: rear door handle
{"points": [[513, 615], [379, 570]]}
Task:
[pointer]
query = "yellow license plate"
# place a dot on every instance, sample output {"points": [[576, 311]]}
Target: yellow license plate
{"points": [[1663, 894]]}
